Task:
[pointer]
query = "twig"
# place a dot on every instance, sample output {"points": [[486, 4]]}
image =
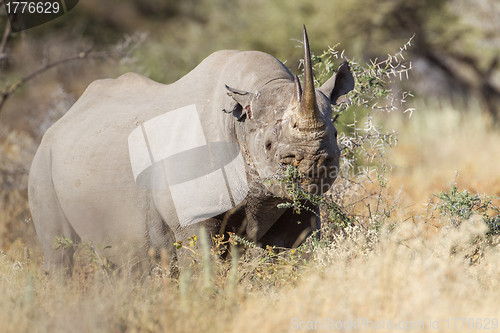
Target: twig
{"points": [[5, 38], [4, 95], [390, 58], [103, 267]]}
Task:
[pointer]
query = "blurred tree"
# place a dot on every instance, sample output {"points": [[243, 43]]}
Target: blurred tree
{"points": [[456, 42], [456, 46], [456, 50]]}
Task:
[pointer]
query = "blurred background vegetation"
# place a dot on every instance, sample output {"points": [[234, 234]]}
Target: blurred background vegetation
{"points": [[455, 57], [455, 53]]}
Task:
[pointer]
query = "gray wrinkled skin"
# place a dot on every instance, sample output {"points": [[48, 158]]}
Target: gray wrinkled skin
{"points": [[81, 184]]}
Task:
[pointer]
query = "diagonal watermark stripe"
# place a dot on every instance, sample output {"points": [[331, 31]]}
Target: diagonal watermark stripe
{"points": [[171, 152]]}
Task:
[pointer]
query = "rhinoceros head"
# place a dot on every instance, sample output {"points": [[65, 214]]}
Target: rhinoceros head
{"points": [[286, 124]]}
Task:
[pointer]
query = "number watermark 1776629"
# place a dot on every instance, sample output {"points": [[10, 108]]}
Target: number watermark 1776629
{"points": [[28, 14]]}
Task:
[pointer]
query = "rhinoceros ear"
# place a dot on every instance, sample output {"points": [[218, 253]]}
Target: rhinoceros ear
{"points": [[242, 106], [339, 84]]}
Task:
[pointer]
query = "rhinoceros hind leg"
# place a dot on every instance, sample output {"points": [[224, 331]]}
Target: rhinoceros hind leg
{"points": [[57, 236]]}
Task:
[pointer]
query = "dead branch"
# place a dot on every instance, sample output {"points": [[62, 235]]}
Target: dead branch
{"points": [[121, 51], [89, 54], [5, 38]]}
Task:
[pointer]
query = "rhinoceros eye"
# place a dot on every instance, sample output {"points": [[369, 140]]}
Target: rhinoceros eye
{"points": [[268, 145]]}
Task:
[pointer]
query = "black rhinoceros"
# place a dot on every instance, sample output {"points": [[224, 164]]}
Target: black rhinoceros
{"points": [[136, 164]]}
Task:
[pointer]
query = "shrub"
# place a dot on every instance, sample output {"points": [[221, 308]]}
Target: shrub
{"points": [[361, 181], [461, 206]]}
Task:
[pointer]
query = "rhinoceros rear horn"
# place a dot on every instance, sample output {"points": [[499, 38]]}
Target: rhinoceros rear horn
{"points": [[297, 90], [308, 112]]}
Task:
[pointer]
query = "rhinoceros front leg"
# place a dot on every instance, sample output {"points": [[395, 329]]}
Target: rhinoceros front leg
{"points": [[184, 254], [161, 238], [291, 229]]}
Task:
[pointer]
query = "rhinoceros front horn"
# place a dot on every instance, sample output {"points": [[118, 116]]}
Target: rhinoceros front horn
{"points": [[307, 117]]}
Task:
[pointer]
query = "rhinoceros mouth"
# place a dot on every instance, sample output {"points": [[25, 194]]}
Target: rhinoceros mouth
{"points": [[320, 173], [316, 183], [306, 181], [312, 174], [318, 180], [316, 186]]}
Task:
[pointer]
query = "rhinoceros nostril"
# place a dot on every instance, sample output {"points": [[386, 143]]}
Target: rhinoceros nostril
{"points": [[287, 159]]}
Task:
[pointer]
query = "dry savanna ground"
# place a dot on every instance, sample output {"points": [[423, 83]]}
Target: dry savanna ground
{"points": [[414, 271]]}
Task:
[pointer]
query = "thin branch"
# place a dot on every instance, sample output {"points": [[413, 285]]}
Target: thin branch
{"points": [[5, 38], [103, 267], [4, 95], [393, 58]]}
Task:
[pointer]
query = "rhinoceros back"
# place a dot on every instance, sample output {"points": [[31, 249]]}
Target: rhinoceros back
{"points": [[86, 155]]}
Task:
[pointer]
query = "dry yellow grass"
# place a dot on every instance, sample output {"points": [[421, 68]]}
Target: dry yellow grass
{"points": [[408, 277], [397, 278], [441, 145]]}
